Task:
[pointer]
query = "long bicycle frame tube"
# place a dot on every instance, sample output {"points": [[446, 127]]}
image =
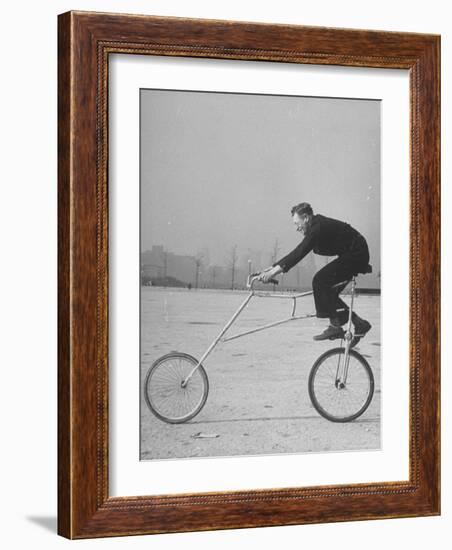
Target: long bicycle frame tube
{"points": [[280, 295], [269, 325], [218, 338], [237, 313]]}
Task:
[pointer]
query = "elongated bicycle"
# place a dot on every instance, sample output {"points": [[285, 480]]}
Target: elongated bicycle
{"points": [[341, 383]]}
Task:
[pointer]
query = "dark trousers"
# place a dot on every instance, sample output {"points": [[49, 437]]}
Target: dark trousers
{"points": [[327, 301]]}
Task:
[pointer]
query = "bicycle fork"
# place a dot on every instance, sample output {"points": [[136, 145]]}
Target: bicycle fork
{"points": [[344, 360]]}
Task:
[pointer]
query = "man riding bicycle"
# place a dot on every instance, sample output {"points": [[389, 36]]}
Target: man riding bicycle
{"points": [[327, 237]]}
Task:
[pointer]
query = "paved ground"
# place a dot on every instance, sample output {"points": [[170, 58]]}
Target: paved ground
{"points": [[258, 401]]}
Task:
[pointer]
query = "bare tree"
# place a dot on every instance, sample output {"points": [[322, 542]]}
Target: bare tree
{"points": [[232, 263], [205, 252], [213, 275], [275, 252], [165, 263], [274, 256], [199, 260]]}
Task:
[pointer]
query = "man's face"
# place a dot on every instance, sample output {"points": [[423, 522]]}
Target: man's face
{"points": [[301, 222]]}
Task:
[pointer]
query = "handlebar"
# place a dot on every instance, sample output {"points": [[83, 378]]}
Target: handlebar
{"points": [[251, 279]]}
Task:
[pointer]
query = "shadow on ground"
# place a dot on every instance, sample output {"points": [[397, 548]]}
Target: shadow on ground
{"points": [[49, 523]]}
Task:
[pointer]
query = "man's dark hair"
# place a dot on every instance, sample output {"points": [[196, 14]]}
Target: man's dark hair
{"points": [[302, 208]]}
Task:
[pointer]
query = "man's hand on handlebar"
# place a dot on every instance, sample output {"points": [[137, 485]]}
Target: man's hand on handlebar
{"points": [[269, 274]]}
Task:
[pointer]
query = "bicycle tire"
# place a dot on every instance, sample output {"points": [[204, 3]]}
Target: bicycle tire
{"points": [[322, 404], [163, 391]]}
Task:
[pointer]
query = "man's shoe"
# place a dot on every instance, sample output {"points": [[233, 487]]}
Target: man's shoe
{"points": [[355, 341], [362, 327], [330, 333]]}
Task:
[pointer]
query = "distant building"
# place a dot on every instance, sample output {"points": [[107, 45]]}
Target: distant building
{"points": [[159, 263], [153, 262]]}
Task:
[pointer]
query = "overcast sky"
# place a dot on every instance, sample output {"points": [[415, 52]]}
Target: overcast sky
{"points": [[219, 170]]}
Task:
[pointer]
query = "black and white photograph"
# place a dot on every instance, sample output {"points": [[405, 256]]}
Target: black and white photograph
{"points": [[259, 274]]}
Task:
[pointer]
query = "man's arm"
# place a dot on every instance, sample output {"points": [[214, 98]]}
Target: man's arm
{"points": [[297, 254], [284, 264]]}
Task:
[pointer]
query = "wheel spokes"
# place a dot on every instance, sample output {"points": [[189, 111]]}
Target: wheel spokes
{"points": [[341, 401], [166, 394]]}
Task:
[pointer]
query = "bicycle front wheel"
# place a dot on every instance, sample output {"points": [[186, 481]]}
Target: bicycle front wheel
{"points": [[165, 392], [333, 399]]}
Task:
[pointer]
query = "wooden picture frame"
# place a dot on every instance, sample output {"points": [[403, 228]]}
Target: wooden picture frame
{"points": [[85, 42]]}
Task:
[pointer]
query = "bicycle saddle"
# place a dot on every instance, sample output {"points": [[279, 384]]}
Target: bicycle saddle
{"points": [[366, 269]]}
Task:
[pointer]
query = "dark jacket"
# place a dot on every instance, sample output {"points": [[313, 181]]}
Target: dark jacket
{"points": [[327, 237]]}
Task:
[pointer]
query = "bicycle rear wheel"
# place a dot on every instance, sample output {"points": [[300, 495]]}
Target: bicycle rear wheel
{"points": [[165, 394], [335, 401]]}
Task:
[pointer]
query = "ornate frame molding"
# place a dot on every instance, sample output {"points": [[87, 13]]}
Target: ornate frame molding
{"points": [[85, 42]]}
